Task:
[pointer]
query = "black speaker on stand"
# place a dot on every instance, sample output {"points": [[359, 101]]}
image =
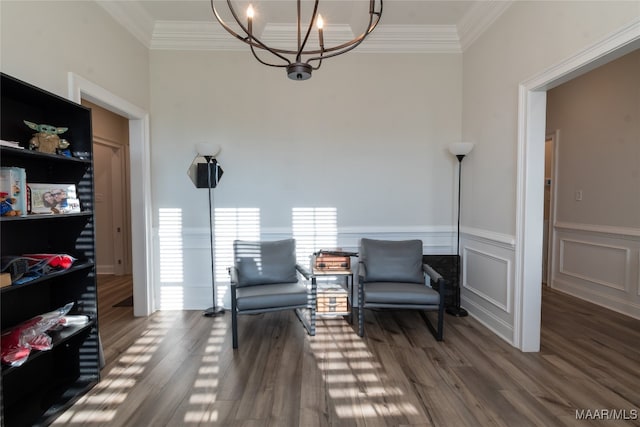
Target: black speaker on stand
{"points": [[207, 175]]}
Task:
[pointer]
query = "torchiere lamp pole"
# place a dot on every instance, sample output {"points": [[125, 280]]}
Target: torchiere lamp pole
{"points": [[214, 172], [460, 150]]}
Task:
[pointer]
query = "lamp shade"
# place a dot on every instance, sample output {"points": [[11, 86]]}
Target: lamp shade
{"points": [[461, 148], [206, 149]]}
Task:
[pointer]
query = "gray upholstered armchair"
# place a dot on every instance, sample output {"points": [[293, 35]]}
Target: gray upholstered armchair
{"points": [[391, 275], [265, 277]]}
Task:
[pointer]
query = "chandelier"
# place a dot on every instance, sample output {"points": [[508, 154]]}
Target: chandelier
{"points": [[300, 62]]}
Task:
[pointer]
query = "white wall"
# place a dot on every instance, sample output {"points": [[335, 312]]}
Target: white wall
{"points": [[367, 135], [526, 40], [41, 41], [597, 238]]}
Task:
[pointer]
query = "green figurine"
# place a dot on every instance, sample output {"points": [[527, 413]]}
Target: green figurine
{"points": [[46, 140]]}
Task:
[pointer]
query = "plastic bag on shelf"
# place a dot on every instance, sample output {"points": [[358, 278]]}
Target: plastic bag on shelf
{"points": [[18, 341], [71, 320], [38, 265], [75, 320]]}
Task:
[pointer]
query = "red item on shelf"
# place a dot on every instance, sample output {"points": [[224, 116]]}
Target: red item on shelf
{"points": [[62, 261]]}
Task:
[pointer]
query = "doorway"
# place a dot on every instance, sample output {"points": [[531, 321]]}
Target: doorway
{"points": [[530, 187], [140, 185], [111, 200]]}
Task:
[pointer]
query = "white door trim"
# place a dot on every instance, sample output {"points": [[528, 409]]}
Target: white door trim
{"points": [[530, 174], [140, 175], [553, 207]]}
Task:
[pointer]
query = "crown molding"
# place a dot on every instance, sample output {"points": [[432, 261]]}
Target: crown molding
{"points": [[478, 19], [209, 36], [413, 39], [132, 17], [190, 35]]}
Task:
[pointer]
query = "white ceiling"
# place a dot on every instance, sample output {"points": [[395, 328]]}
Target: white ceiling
{"points": [[405, 26]]}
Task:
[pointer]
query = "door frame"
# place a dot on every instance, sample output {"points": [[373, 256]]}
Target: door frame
{"points": [[532, 95], [554, 138], [140, 185]]}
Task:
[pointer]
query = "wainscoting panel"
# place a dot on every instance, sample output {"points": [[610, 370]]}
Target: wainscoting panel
{"points": [[609, 267], [488, 279], [598, 264], [486, 276]]}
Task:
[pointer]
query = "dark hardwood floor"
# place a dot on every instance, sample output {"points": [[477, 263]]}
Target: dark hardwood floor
{"points": [[177, 368]]}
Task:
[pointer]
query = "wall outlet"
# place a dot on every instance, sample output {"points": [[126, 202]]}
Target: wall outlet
{"points": [[579, 195]]}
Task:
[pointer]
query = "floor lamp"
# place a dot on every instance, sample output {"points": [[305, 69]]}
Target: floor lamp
{"points": [[459, 149], [208, 177]]}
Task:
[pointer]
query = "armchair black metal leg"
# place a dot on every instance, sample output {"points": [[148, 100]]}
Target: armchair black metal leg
{"points": [[360, 310], [314, 293], [350, 299], [234, 328], [440, 324], [234, 318], [308, 323], [437, 330]]}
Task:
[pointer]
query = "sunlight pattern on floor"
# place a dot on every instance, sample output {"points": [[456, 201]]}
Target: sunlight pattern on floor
{"points": [[357, 386], [107, 397], [203, 400]]}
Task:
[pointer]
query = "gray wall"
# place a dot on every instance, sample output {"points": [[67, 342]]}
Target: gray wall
{"points": [[598, 115]]}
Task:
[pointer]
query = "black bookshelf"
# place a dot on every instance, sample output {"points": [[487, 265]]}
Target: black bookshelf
{"points": [[38, 391]]}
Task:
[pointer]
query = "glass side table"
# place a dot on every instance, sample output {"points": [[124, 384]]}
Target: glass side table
{"points": [[334, 293]]}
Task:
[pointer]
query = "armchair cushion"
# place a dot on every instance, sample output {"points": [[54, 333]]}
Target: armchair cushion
{"points": [[397, 294], [392, 261], [279, 296], [262, 263]]}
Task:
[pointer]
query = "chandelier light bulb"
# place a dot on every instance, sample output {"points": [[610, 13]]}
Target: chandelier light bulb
{"points": [[250, 12], [319, 22]]}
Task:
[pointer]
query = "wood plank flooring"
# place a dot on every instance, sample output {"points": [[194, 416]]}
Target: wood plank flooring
{"points": [[177, 368]]}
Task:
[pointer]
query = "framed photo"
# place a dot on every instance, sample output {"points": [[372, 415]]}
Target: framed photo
{"points": [[54, 198]]}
